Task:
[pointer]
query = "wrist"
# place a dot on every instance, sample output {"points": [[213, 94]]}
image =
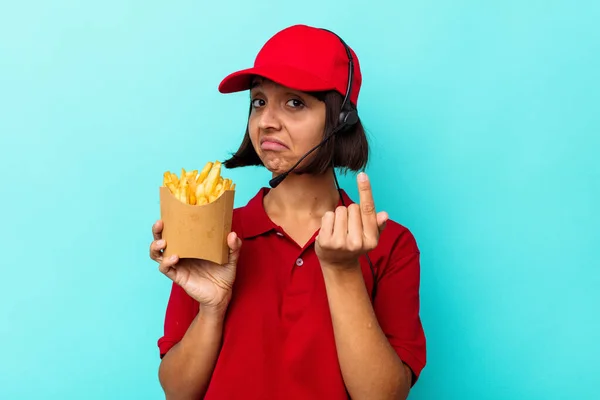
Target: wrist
{"points": [[213, 313], [347, 272], [343, 267], [346, 285]]}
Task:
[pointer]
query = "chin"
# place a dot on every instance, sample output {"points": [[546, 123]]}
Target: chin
{"points": [[275, 165]]}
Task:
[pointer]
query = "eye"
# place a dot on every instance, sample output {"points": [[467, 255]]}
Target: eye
{"points": [[258, 103], [295, 103]]}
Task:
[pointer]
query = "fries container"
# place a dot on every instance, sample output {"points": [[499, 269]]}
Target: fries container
{"points": [[197, 231]]}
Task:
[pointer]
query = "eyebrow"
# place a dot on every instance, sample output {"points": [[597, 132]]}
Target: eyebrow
{"points": [[254, 91], [254, 83]]}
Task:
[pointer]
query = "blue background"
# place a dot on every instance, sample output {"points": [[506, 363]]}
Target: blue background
{"points": [[484, 123]]}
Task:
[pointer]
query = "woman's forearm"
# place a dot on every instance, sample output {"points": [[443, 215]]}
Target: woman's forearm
{"points": [[370, 367], [186, 369]]}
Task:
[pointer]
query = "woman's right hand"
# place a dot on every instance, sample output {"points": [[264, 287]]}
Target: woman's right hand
{"points": [[206, 282]]}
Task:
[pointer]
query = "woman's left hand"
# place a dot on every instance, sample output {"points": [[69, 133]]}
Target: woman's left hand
{"points": [[352, 231]]}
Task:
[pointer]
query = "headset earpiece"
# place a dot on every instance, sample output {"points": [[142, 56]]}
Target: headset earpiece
{"points": [[348, 117]]}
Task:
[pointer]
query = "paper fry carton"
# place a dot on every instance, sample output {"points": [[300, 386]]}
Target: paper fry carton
{"points": [[197, 231]]}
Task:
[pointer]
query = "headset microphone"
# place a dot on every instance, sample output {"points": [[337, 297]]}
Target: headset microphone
{"points": [[279, 178]]}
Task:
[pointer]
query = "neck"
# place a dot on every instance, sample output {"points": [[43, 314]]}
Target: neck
{"points": [[303, 196]]}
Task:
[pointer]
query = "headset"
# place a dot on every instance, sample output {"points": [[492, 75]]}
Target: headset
{"points": [[348, 114], [347, 118]]}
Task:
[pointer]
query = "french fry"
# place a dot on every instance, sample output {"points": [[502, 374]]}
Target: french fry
{"points": [[212, 179], [198, 187], [184, 194], [204, 173], [180, 194]]}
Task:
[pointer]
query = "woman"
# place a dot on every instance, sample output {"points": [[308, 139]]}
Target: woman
{"points": [[294, 313]]}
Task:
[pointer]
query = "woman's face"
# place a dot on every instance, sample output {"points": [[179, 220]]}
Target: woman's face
{"points": [[284, 124]]}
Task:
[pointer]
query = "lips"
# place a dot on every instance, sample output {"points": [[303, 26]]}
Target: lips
{"points": [[269, 143]]}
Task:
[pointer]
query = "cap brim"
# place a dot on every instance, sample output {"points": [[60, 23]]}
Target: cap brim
{"points": [[284, 75]]}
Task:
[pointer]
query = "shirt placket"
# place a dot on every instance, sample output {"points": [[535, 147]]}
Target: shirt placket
{"points": [[299, 269]]}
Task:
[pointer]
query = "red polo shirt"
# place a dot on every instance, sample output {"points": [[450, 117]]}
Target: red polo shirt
{"points": [[278, 340]]}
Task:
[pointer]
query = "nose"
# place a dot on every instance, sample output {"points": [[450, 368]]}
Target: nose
{"points": [[269, 118]]}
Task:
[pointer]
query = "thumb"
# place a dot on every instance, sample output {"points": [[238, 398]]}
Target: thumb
{"points": [[235, 244], [382, 218]]}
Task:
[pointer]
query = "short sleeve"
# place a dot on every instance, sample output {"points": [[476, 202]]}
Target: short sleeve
{"points": [[181, 311], [397, 302]]}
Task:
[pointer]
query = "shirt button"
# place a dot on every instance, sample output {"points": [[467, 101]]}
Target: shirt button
{"points": [[299, 262], [279, 234]]}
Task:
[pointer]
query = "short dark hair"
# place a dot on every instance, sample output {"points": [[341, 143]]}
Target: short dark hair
{"points": [[347, 150]]}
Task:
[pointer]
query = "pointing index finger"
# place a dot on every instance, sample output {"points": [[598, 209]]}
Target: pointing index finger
{"points": [[367, 205]]}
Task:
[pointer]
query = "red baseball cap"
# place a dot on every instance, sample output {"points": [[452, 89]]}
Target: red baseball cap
{"points": [[303, 58]]}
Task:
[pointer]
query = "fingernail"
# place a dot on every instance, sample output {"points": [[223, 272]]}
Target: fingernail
{"points": [[160, 242], [173, 258], [362, 177]]}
